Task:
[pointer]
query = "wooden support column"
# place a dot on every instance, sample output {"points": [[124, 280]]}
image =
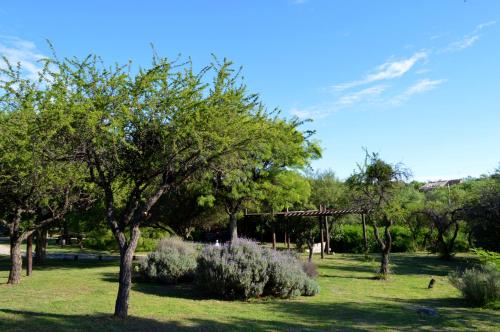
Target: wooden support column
{"points": [[327, 231], [29, 255], [321, 236]]}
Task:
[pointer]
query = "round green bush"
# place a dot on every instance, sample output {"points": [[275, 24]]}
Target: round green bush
{"points": [[478, 286], [286, 275], [173, 261], [233, 271]]}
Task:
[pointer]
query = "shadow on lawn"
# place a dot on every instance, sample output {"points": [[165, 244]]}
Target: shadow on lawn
{"points": [[51, 264], [350, 316], [401, 264]]}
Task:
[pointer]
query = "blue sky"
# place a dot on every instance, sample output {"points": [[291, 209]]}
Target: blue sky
{"points": [[416, 81]]}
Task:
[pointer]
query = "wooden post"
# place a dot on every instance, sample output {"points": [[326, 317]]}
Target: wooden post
{"points": [[327, 231], [321, 239], [364, 232], [29, 255]]}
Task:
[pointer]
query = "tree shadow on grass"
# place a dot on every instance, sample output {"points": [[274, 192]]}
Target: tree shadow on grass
{"points": [[307, 316]]}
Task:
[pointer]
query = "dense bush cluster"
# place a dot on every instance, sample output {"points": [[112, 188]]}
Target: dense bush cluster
{"points": [[243, 269], [173, 261], [478, 286], [350, 239]]}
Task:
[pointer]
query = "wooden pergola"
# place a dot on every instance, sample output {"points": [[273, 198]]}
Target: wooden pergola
{"points": [[322, 213]]}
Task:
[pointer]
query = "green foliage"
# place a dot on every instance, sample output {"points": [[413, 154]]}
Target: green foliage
{"points": [[100, 239], [487, 257], [478, 286], [327, 190], [150, 238], [349, 238], [173, 261]]}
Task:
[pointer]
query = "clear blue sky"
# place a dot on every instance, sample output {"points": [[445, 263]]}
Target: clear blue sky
{"points": [[416, 81]]}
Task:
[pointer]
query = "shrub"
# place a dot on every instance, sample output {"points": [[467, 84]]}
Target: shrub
{"points": [[478, 286], [242, 269], [173, 261], [310, 269], [402, 240], [310, 287], [286, 276], [100, 239], [236, 270], [150, 237], [487, 257], [350, 239]]}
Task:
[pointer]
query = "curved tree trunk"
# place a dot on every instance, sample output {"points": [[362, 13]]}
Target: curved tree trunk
{"points": [[310, 245], [125, 276]]}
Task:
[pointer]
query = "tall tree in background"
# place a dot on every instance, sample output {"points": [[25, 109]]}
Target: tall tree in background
{"points": [[375, 185], [39, 181], [262, 173], [481, 211], [329, 192]]}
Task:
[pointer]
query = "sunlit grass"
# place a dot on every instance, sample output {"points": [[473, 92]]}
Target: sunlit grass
{"points": [[72, 296]]}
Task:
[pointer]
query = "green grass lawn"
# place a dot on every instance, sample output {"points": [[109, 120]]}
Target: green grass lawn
{"points": [[79, 296]]}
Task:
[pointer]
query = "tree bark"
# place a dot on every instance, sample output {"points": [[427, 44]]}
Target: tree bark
{"points": [[365, 238], [125, 276], [310, 245], [288, 235], [233, 226], [16, 262], [29, 255], [273, 227], [384, 264], [41, 245]]}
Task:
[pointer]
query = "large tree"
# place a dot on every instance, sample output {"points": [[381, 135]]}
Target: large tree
{"points": [[39, 181], [144, 132], [264, 173], [375, 186]]}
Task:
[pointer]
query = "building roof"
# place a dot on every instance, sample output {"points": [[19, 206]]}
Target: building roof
{"points": [[439, 184]]}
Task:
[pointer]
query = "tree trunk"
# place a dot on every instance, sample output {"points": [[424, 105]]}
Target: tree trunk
{"points": [[29, 255], [273, 227], [384, 264], [16, 261], [310, 244], [327, 231], [288, 235], [233, 226], [125, 276], [365, 238], [41, 245]]}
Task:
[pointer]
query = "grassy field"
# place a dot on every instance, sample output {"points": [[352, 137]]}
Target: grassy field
{"points": [[79, 296]]}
